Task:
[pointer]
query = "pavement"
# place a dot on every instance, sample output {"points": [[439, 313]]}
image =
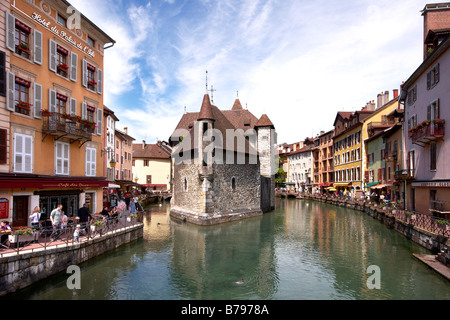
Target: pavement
{"points": [[430, 261]]}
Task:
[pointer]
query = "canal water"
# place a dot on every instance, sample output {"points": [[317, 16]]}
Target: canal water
{"points": [[303, 250]]}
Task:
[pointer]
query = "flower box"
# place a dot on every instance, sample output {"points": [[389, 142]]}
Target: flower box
{"points": [[23, 47], [46, 113], [63, 67], [13, 238]]}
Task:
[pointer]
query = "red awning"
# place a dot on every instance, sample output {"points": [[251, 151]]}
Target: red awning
{"points": [[52, 182], [154, 185]]}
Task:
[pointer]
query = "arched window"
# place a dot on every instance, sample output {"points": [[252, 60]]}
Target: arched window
{"points": [[233, 183]]}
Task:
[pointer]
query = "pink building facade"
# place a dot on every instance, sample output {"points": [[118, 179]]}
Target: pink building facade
{"points": [[426, 98]]}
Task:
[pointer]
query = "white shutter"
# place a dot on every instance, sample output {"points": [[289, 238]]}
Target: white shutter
{"points": [[93, 162], [99, 81], [66, 158], [99, 121], [84, 73], [37, 47], [73, 66], [10, 31], [23, 153], [87, 163], [52, 56], [62, 158], [83, 110], [18, 153], [51, 100], [28, 154], [73, 107], [10, 90], [37, 101]]}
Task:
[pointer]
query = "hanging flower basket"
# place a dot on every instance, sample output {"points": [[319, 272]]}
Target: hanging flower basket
{"points": [[46, 113], [24, 105], [63, 67]]}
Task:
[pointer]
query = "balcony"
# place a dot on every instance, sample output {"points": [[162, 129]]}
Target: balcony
{"points": [[424, 134], [59, 126], [398, 175]]}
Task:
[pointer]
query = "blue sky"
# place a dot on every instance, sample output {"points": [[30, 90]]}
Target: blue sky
{"points": [[299, 61]]}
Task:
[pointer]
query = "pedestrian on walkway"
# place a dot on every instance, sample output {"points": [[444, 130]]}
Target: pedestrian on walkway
{"points": [[35, 216], [84, 215], [55, 218]]}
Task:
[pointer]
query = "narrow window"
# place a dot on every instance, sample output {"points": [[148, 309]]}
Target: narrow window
{"points": [[233, 183], [433, 156], [185, 185]]}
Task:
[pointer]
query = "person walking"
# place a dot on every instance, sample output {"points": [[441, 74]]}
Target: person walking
{"points": [[55, 218], [84, 215], [35, 216]]}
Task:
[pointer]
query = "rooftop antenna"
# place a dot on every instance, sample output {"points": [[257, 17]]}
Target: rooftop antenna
{"points": [[237, 94], [212, 94], [185, 110], [206, 81]]}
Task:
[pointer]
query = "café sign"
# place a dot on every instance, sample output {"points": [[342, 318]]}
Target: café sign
{"points": [[62, 34], [432, 184]]}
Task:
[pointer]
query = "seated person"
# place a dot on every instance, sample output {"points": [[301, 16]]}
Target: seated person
{"points": [[105, 212], [4, 227]]}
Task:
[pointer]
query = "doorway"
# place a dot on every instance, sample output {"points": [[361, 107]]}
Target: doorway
{"points": [[20, 211]]}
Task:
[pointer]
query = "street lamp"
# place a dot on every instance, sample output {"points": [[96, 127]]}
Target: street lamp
{"points": [[112, 163]]}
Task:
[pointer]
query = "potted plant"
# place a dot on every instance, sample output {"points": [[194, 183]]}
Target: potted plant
{"points": [[426, 123], [410, 215], [46, 113], [23, 235], [92, 82], [23, 47], [438, 122], [98, 225], [132, 216], [24, 105], [443, 224], [63, 67]]}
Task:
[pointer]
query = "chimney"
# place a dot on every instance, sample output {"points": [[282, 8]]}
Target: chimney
{"points": [[435, 16], [395, 93], [379, 100], [370, 106], [125, 130], [386, 97]]}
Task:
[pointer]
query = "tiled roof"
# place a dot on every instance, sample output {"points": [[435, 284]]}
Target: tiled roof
{"points": [[206, 110], [264, 121], [237, 105], [153, 151]]}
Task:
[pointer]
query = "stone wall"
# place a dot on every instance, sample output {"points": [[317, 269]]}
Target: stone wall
{"points": [[21, 270]]}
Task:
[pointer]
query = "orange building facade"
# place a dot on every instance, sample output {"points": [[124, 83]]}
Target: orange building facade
{"points": [[53, 104]]}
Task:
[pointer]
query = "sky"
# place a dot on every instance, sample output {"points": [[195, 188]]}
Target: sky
{"points": [[298, 61]]}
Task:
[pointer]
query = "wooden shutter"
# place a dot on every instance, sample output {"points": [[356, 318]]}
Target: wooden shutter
{"points": [[51, 100], [38, 47], [436, 74], [10, 90], [3, 146], [91, 161], [73, 107], [84, 73], [429, 80], [99, 121], [429, 112], [37, 101], [2, 74], [73, 66], [437, 112], [87, 170], [99, 81], [84, 110], [10, 31], [22, 153], [52, 55]]}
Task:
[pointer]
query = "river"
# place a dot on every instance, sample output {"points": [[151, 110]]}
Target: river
{"points": [[303, 250]]}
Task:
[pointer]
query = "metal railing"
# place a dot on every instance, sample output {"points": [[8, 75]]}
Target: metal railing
{"points": [[65, 236]]}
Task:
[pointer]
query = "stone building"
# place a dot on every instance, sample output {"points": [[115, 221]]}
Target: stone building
{"points": [[224, 165]]}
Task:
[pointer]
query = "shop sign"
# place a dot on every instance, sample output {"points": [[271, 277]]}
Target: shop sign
{"points": [[4, 208], [432, 184], [62, 34]]}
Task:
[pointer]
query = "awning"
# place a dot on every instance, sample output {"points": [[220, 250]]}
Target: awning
{"points": [[155, 185], [369, 185], [50, 182], [379, 186], [113, 186], [341, 184]]}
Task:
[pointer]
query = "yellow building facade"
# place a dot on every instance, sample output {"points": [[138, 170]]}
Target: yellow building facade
{"points": [[54, 97]]}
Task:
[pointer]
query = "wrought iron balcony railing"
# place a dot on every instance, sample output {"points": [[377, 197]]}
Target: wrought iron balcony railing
{"points": [[59, 125]]}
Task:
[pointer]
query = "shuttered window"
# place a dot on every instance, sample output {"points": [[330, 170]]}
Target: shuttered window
{"points": [[23, 153], [433, 156], [91, 161], [2, 74], [62, 154], [3, 146]]}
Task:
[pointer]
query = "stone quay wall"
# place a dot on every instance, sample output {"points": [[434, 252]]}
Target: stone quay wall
{"points": [[435, 242], [21, 270]]}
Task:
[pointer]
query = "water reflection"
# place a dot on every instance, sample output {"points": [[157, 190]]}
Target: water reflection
{"points": [[302, 250]]}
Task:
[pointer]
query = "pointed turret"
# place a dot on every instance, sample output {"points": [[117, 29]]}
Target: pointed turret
{"points": [[264, 121], [237, 105], [206, 110]]}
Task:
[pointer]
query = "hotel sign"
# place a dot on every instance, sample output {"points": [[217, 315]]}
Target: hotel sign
{"points": [[62, 34], [432, 184]]}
